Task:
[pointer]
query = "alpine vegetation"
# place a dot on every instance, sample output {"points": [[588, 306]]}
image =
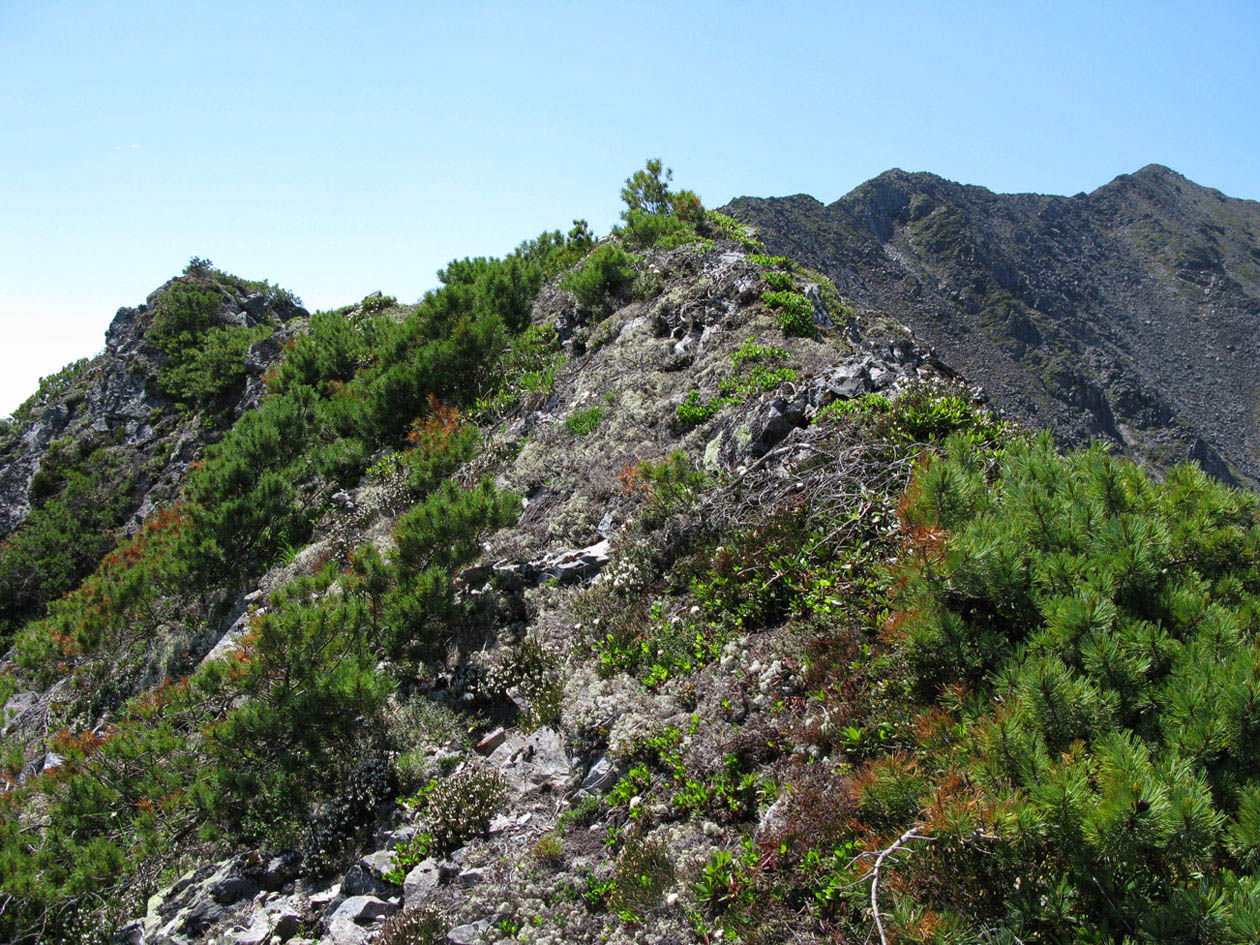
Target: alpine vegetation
{"points": [[638, 587]]}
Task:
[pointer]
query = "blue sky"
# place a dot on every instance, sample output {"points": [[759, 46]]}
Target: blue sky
{"points": [[339, 148]]}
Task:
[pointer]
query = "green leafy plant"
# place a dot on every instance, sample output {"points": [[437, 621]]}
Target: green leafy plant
{"points": [[750, 352], [722, 226], [796, 313], [583, 422], [772, 262], [925, 412], [778, 281], [641, 876], [752, 377]]}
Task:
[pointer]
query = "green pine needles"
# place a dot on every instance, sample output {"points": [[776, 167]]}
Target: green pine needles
{"points": [[1088, 636]]}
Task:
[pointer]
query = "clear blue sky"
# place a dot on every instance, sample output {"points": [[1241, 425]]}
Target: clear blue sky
{"points": [[338, 148]]}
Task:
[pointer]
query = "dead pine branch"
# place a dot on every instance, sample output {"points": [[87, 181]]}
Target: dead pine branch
{"points": [[884, 854]]}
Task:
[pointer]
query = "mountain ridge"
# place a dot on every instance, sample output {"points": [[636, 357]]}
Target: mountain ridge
{"points": [[1130, 313], [643, 588]]}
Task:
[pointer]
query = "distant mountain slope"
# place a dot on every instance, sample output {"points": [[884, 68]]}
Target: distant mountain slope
{"points": [[1131, 313]]}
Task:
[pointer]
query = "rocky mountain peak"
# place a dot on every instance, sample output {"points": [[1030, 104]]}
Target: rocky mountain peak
{"points": [[1130, 313], [117, 432]]}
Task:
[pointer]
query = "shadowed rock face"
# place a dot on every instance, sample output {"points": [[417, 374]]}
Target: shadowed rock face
{"points": [[111, 402], [1130, 314]]}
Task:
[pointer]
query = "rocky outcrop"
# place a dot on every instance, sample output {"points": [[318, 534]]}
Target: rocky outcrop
{"points": [[635, 366], [1130, 314], [111, 401]]}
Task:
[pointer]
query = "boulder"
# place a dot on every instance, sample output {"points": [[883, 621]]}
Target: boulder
{"points": [[534, 762], [850, 380], [569, 567], [603, 774], [279, 870], [360, 881], [345, 932], [772, 422], [256, 934], [491, 741], [420, 883], [351, 921], [379, 864], [228, 886], [18, 704], [471, 933]]}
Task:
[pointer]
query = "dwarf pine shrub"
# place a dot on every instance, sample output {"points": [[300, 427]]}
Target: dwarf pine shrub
{"points": [[1102, 628]]}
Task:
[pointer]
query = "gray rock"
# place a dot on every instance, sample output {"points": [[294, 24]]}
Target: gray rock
{"points": [[822, 318], [190, 923], [379, 863], [534, 762], [279, 923], [448, 870], [360, 881], [603, 775], [18, 704], [393, 839], [772, 422], [882, 378], [850, 380], [326, 896], [230, 887], [420, 883], [471, 933], [285, 923], [279, 870], [256, 934], [345, 932], [572, 566], [491, 741], [363, 909]]}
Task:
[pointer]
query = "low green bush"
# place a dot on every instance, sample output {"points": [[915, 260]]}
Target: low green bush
{"points": [[778, 281], [720, 226], [773, 262], [796, 313], [696, 408], [75, 506], [202, 351], [448, 813], [656, 230], [582, 422], [603, 275], [643, 873], [750, 352], [925, 412]]}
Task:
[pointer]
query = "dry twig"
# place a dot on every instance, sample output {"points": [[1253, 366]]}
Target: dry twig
{"points": [[879, 862]]}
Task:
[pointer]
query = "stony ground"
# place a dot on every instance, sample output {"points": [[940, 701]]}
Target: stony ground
{"points": [[578, 803]]}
